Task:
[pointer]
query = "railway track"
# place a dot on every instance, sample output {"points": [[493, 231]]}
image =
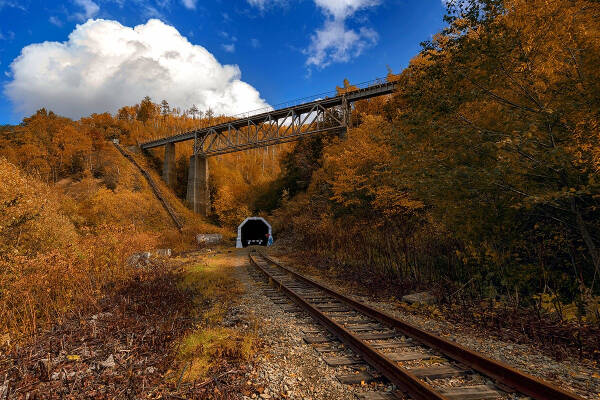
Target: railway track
{"points": [[396, 350]]}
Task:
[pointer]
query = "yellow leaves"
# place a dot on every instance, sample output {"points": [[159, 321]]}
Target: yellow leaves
{"points": [[393, 202], [56, 283], [73, 357], [347, 88], [351, 166], [46, 264], [31, 220], [391, 77], [4, 339], [230, 210]]}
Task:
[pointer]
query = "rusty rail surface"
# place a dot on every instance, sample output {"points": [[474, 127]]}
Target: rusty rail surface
{"points": [[502, 373]]}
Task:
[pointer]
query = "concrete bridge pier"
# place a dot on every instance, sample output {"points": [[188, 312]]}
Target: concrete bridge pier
{"points": [[168, 172], [197, 188]]}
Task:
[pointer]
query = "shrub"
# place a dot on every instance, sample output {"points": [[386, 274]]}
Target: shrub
{"points": [[47, 269]]}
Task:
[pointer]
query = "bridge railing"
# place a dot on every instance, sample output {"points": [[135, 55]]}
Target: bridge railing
{"points": [[290, 103], [307, 99]]}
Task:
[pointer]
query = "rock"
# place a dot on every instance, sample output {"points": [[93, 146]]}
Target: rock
{"points": [[421, 297], [205, 239], [108, 363], [163, 253], [139, 260]]}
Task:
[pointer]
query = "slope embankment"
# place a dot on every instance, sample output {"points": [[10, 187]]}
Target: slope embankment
{"points": [[154, 187]]}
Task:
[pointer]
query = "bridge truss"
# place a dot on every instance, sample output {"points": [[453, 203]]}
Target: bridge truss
{"points": [[330, 114]]}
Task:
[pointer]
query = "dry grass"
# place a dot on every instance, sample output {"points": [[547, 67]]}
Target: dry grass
{"points": [[49, 268], [206, 349], [47, 288], [211, 345]]}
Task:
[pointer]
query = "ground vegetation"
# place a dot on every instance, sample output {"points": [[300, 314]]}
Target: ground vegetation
{"points": [[479, 176]]}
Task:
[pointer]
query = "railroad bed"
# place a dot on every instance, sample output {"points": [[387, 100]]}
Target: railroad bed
{"points": [[372, 345]]}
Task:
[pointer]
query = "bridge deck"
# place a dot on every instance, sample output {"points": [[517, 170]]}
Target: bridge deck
{"points": [[259, 132]]}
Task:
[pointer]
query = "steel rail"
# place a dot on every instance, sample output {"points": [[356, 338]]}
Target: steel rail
{"points": [[500, 372], [388, 368]]}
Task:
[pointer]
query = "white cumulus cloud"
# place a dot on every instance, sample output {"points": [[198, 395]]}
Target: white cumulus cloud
{"points": [[335, 41], [90, 9], [189, 4], [341, 9], [229, 48], [105, 65]]}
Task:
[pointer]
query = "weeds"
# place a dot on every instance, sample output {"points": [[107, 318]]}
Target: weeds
{"points": [[211, 344]]}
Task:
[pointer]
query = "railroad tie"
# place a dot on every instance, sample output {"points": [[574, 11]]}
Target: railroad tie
{"points": [[441, 372], [326, 348], [391, 345], [479, 392], [336, 361], [364, 327], [409, 356], [377, 336]]}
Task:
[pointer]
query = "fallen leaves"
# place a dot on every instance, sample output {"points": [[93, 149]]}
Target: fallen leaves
{"points": [[123, 351]]}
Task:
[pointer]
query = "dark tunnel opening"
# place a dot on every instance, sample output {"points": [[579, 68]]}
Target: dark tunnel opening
{"points": [[254, 232]]}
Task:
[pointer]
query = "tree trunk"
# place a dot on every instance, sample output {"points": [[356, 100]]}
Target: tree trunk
{"points": [[587, 238]]}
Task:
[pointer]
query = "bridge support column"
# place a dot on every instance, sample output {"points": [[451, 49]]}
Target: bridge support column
{"points": [[168, 172], [197, 188]]}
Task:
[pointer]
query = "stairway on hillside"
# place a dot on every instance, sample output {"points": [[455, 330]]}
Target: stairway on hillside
{"points": [[153, 185]]}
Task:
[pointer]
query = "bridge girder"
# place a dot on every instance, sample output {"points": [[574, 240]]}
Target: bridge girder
{"points": [[276, 126], [269, 131]]}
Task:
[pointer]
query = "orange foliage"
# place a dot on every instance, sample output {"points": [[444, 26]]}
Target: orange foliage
{"points": [[481, 168], [347, 88], [47, 268]]}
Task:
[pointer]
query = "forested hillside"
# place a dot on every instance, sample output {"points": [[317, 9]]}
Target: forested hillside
{"points": [[479, 175], [73, 209]]}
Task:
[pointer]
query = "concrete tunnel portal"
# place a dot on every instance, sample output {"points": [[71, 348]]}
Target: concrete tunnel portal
{"points": [[253, 231]]}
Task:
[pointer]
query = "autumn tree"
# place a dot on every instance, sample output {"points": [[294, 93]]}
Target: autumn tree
{"points": [[209, 114], [497, 123], [194, 111], [146, 110], [346, 88], [165, 109]]}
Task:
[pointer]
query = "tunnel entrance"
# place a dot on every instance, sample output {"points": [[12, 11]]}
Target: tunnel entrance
{"points": [[253, 231]]}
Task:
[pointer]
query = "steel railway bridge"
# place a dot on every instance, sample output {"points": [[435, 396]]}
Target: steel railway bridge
{"points": [[261, 128]]}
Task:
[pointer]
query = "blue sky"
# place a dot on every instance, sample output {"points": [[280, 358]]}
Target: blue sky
{"points": [[283, 49]]}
